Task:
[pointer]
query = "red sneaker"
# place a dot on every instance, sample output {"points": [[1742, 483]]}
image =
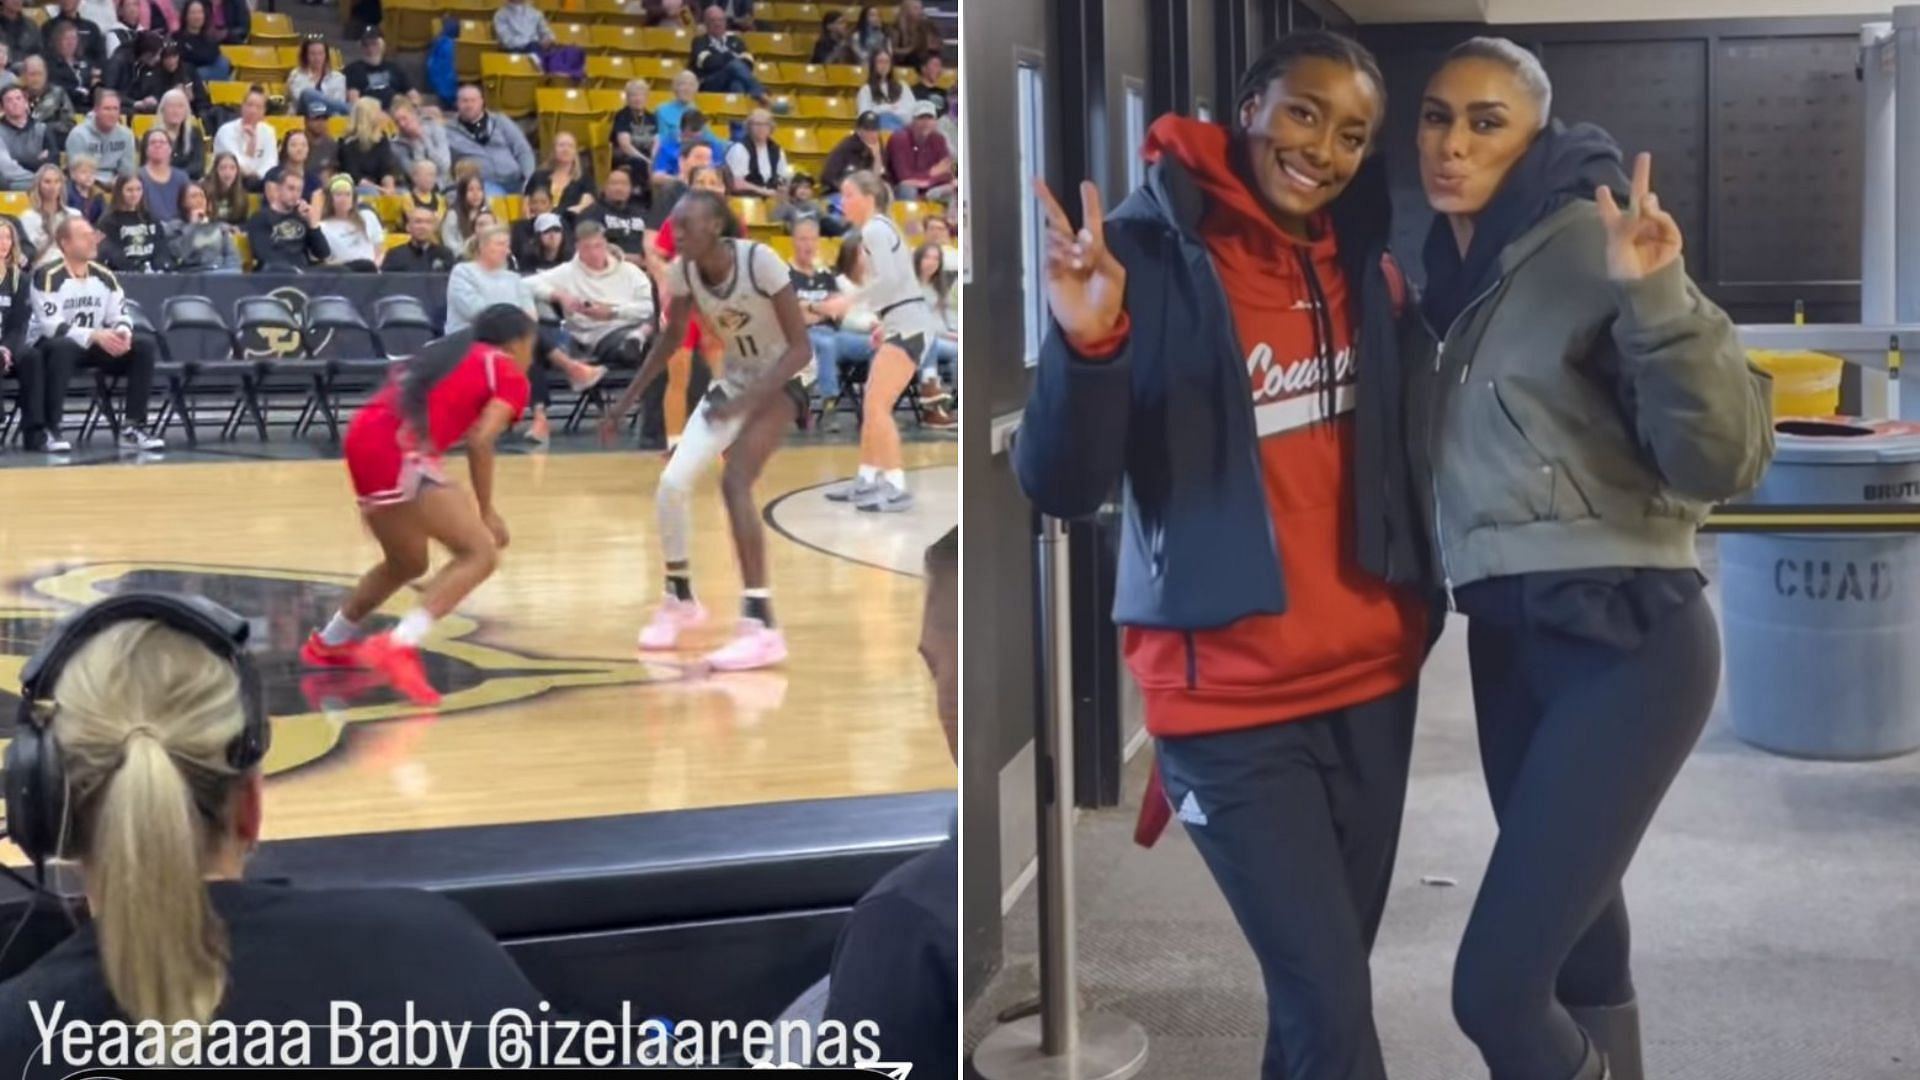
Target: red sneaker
{"points": [[317, 653], [401, 665]]}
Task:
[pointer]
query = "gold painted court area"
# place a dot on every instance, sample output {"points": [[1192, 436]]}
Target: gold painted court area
{"points": [[548, 712]]}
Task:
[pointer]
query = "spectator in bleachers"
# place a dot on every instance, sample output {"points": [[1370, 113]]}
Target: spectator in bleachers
{"points": [[884, 95], [739, 14], [147, 722], [324, 148], [858, 152], [419, 139], [298, 160], [668, 161], [538, 201], [634, 134], [50, 103], [174, 73], [314, 80], [199, 44], [83, 188], [696, 162], [686, 90], [131, 241], [285, 235], [803, 203], [520, 27], [914, 36], [23, 137], [722, 62], [623, 218], [355, 240], [227, 188], [461, 221], [21, 34], [90, 38], [932, 70], [421, 254], [250, 140], [183, 131], [506, 160], [13, 175], [672, 13], [919, 159], [75, 286], [835, 44], [423, 192], [232, 21], [443, 66], [936, 284], [757, 165], [69, 68], [896, 964], [607, 302], [550, 247], [566, 177], [104, 138], [26, 364], [124, 31], [163, 182], [46, 205], [201, 245], [869, 35], [819, 295], [371, 75], [366, 154], [939, 232]]}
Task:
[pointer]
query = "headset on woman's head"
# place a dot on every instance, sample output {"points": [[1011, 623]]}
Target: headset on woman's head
{"points": [[35, 779]]}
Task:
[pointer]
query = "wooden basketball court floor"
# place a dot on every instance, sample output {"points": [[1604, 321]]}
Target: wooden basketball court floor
{"points": [[549, 713]]}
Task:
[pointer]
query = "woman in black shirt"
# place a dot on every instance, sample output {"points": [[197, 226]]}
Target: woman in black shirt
{"points": [[69, 69], [197, 44], [150, 726], [130, 239]]}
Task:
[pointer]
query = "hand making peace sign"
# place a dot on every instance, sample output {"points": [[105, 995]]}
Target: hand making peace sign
{"points": [[1086, 285], [1642, 238]]}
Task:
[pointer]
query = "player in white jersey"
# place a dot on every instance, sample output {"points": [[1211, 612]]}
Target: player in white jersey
{"points": [[909, 327], [744, 292]]}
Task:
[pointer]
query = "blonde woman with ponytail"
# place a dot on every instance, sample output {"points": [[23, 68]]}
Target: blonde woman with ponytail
{"points": [[161, 826]]}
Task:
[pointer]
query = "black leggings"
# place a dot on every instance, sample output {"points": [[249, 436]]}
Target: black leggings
{"points": [[1580, 740]]}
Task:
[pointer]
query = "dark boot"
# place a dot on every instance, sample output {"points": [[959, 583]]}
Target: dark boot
{"points": [[1615, 1030]]}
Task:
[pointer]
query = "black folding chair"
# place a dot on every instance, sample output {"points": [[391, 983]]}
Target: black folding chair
{"points": [[338, 335], [268, 318], [403, 326], [198, 342]]}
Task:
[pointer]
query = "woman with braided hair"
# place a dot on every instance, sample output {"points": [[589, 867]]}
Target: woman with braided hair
{"points": [[1270, 560]]}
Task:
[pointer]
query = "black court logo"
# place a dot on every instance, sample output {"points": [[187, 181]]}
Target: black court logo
{"points": [[312, 710]]}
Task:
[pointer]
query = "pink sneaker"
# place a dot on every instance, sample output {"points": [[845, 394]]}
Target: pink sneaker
{"points": [[753, 646], [671, 617]]}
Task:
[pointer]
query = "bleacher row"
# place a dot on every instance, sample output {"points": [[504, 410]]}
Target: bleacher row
{"points": [[413, 24]]}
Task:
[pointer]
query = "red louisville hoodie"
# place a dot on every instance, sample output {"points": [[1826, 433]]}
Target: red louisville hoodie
{"points": [[1347, 637]]}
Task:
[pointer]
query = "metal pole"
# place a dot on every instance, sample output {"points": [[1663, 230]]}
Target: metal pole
{"points": [[1906, 196], [1877, 198], [1061, 1043]]}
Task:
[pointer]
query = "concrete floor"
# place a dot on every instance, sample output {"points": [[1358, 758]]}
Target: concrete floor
{"points": [[1776, 916]]}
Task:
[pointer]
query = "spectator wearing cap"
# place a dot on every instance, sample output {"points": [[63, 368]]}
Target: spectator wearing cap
{"points": [[21, 136], [491, 140], [371, 75], [757, 164], [285, 235], [919, 158], [249, 139], [550, 246], [803, 203], [21, 34], [721, 61], [316, 81], [634, 134], [884, 95], [323, 150], [69, 68], [104, 138], [422, 253], [858, 152]]}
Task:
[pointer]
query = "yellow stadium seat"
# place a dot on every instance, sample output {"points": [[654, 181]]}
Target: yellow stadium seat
{"points": [[476, 39], [244, 249], [508, 207], [609, 12], [256, 63], [907, 213], [782, 245], [668, 40], [607, 102], [845, 77], [412, 24], [509, 80], [228, 94], [750, 211], [724, 106], [826, 108], [600, 146], [802, 142], [392, 211], [610, 72], [631, 40], [273, 28], [337, 127], [577, 34], [805, 75], [471, 9], [281, 124], [770, 74], [564, 109], [13, 203], [773, 45], [660, 69], [396, 239], [142, 123]]}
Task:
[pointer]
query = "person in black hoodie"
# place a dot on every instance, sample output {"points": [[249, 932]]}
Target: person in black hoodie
{"points": [[131, 241], [422, 253], [92, 39], [21, 34], [135, 72], [285, 235], [624, 218], [69, 67], [1271, 580], [41, 398]]}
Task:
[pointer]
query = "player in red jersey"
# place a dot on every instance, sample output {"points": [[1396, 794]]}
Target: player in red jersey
{"points": [[470, 386]]}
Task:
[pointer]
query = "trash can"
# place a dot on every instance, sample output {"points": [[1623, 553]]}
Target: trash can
{"points": [[1804, 383], [1823, 631]]}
